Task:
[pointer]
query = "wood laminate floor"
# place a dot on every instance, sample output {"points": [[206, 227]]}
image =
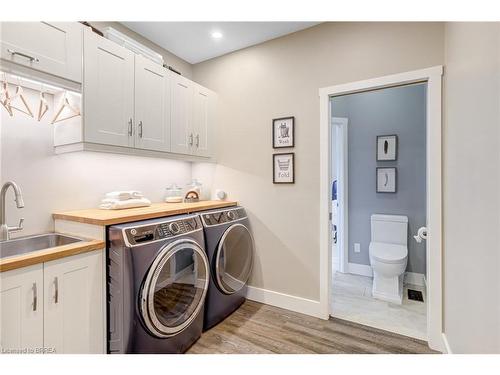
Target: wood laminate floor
{"points": [[256, 328]]}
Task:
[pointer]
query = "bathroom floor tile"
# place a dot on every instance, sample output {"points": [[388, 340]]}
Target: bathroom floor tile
{"points": [[352, 300]]}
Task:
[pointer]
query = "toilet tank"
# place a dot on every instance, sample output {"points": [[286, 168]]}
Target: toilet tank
{"points": [[389, 229]]}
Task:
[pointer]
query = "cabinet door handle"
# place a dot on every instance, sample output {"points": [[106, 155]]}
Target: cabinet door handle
{"points": [[34, 297], [140, 129], [197, 140], [56, 290], [30, 58], [191, 139], [130, 128]]}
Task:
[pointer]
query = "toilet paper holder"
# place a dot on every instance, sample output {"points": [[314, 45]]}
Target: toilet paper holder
{"points": [[421, 234]]}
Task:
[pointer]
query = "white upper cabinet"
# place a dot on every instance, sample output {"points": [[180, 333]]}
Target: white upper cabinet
{"points": [[181, 107], [203, 120], [152, 107], [50, 47], [74, 304], [21, 309], [108, 92]]}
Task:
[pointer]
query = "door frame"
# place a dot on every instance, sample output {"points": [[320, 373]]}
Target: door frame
{"points": [[343, 192], [432, 76]]}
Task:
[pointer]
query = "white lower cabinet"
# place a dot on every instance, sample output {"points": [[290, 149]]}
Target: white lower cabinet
{"points": [[21, 310], [63, 313], [73, 304]]}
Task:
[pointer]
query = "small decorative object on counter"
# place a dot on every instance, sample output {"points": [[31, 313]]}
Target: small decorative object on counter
{"points": [[220, 194], [196, 186], [173, 194], [191, 196]]}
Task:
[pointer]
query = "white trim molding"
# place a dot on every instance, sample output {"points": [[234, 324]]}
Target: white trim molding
{"points": [[285, 301], [415, 278], [360, 269], [446, 345], [433, 77], [366, 270]]}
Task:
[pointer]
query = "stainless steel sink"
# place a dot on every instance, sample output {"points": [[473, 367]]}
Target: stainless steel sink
{"points": [[28, 244]]}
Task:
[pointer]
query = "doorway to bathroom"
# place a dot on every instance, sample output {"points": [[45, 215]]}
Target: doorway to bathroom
{"points": [[378, 202], [380, 184]]}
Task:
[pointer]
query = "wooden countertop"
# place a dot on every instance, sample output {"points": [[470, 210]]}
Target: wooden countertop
{"points": [[108, 217], [46, 255]]}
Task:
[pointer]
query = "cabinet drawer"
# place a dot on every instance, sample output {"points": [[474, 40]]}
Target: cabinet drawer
{"points": [[54, 48]]}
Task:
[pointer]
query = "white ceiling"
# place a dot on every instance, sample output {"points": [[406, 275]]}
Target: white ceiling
{"points": [[193, 42]]}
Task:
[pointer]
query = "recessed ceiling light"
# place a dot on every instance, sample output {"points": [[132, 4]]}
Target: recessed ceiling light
{"points": [[216, 34]]}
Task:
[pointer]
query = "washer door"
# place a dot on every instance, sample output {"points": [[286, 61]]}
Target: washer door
{"points": [[175, 287], [233, 263]]}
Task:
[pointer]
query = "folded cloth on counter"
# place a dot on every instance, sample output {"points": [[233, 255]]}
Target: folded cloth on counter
{"points": [[115, 204], [124, 195]]}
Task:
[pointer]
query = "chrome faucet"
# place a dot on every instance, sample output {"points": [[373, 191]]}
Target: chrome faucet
{"points": [[5, 230]]}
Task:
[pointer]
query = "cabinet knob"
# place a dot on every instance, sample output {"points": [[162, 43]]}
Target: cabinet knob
{"points": [[30, 58], [56, 290], [197, 140], [130, 128], [140, 129], [191, 139], [34, 297]]}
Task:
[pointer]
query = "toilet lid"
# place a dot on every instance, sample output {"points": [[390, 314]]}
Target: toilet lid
{"points": [[388, 252]]}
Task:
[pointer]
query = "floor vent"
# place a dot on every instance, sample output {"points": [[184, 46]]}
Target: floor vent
{"points": [[415, 295]]}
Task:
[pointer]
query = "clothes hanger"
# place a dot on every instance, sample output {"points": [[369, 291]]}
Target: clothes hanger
{"points": [[65, 104], [4, 95], [20, 94], [43, 107]]}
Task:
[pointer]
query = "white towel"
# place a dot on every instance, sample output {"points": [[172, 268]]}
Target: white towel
{"points": [[124, 195], [115, 204]]}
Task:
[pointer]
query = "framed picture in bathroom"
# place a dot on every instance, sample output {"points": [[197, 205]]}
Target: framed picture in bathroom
{"points": [[387, 147], [386, 180], [284, 132]]}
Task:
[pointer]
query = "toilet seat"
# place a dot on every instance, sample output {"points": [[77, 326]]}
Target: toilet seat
{"points": [[388, 252]]}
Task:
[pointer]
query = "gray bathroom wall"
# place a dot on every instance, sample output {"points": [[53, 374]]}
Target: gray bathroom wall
{"points": [[401, 111]]}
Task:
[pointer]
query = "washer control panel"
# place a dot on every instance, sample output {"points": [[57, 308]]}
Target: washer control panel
{"points": [[223, 217], [169, 228]]}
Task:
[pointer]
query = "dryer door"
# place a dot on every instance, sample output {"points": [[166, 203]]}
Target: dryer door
{"points": [[234, 259], [175, 287]]}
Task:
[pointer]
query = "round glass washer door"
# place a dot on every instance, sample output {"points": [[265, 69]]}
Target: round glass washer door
{"points": [[234, 260], [175, 287]]}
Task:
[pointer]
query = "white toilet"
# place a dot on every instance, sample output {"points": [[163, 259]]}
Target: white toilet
{"points": [[388, 256]]}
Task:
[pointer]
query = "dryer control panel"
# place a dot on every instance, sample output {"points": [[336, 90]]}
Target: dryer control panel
{"points": [[222, 217], [163, 230]]}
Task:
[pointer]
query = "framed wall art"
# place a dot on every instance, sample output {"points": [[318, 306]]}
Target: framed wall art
{"points": [[284, 168], [387, 147], [284, 132], [386, 180]]}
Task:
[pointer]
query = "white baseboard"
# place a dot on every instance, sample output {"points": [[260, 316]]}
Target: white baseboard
{"points": [[446, 344], [359, 269], [415, 278], [285, 301], [366, 270]]}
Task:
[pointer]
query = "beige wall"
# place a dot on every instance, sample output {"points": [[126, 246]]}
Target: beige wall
{"points": [[471, 145], [279, 78], [169, 58]]}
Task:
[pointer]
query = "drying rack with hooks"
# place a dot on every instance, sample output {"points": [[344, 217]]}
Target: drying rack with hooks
{"points": [[66, 103]]}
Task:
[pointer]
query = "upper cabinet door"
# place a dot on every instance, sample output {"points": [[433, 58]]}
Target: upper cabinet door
{"points": [[74, 304], [21, 309], [181, 104], [203, 120], [152, 107], [51, 47], [108, 92]]}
